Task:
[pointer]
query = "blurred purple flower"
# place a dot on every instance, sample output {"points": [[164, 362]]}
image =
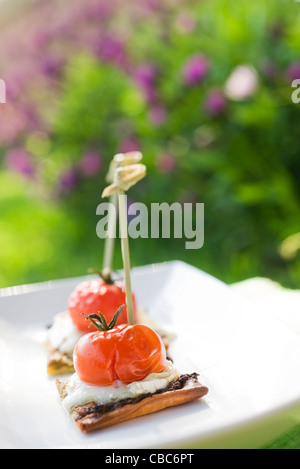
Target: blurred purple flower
{"points": [[63, 25], [215, 103], [158, 115], [50, 66], [166, 162], [111, 49], [185, 23], [90, 164], [153, 4], [19, 160], [32, 118], [40, 39], [97, 10], [68, 181], [145, 76], [293, 71], [269, 69], [129, 144], [196, 69]]}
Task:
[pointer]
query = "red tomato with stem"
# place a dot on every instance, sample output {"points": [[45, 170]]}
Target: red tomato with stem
{"points": [[93, 296], [125, 353]]}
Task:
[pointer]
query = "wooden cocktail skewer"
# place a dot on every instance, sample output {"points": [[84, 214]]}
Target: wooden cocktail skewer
{"points": [[119, 160], [125, 255], [124, 178], [112, 222], [110, 240]]}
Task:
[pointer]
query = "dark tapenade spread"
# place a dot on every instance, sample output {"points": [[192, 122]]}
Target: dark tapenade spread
{"points": [[96, 411]]}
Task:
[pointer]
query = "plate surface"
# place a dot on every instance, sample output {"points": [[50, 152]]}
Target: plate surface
{"points": [[249, 362]]}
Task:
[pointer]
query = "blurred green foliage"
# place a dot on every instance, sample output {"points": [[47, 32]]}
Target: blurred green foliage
{"points": [[129, 87]]}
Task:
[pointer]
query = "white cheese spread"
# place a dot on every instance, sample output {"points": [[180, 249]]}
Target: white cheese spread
{"points": [[80, 393], [63, 335]]}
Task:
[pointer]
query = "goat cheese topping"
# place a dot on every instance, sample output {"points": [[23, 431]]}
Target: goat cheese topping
{"points": [[63, 335], [80, 393]]}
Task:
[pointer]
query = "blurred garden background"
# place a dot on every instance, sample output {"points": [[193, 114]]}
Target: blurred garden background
{"points": [[201, 88]]}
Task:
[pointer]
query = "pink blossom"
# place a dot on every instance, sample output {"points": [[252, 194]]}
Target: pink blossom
{"points": [[158, 115], [90, 164], [293, 72], [68, 181], [242, 83], [195, 70], [129, 144], [152, 5], [97, 10], [111, 49], [40, 39], [145, 76], [50, 66], [185, 23], [215, 103], [19, 160], [166, 163]]}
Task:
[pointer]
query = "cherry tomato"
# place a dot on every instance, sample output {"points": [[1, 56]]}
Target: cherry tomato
{"points": [[126, 353], [92, 297]]}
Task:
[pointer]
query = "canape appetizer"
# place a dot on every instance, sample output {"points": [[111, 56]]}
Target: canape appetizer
{"points": [[122, 372], [91, 296]]}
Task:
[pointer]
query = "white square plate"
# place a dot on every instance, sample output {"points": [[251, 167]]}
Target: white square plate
{"points": [[249, 362]]}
